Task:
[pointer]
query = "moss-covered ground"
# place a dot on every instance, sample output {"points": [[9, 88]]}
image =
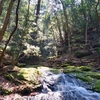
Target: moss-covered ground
{"points": [[27, 78]]}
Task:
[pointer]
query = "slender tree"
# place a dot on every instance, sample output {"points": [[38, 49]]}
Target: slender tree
{"points": [[2, 31], [59, 29], [23, 34], [97, 14], [1, 6], [68, 30], [16, 25], [38, 10]]}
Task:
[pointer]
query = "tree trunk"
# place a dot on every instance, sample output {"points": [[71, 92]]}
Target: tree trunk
{"points": [[1, 57], [1, 6], [54, 36], [97, 15], [38, 10], [86, 37], [25, 32], [67, 26], [2, 31], [65, 36], [60, 34], [27, 15]]}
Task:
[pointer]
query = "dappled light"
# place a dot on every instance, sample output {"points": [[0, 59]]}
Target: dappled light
{"points": [[49, 50]]}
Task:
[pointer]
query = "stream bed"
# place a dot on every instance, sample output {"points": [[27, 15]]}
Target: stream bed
{"points": [[63, 87]]}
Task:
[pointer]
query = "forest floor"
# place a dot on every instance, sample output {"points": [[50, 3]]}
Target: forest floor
{"points": [[93, 61]]}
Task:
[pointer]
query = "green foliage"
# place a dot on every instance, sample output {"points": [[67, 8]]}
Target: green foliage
{"points": [[41, 34], [33, 50]]}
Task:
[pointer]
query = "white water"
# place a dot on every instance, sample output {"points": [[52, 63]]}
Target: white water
{"points": [[64, 87]]}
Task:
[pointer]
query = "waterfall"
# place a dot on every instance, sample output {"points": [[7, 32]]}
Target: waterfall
{"points": [[64, 87]]}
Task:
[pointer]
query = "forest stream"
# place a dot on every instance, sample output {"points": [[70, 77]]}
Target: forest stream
{"points": [[63, 87], [49, 49]]}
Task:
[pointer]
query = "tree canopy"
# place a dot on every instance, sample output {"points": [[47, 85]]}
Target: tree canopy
{"points": [[45, 28]]}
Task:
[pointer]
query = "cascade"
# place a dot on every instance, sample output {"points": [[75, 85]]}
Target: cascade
{"points": [[63, 87]]}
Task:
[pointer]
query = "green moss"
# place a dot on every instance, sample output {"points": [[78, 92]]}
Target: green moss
{"points": [[94, 75], [85, 74], [64, 65], [97, 86], [26, 75], [67, 64], [13, 79], [9, 77], [71, 69], [32, 75], [84, 78], [85, 68], [17, 75], [55, 71]]}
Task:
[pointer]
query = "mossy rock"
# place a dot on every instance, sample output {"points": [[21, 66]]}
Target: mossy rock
{"points": [[14, 77], [64, 65], [17, 75], [84, 68], [32, 75], [83, 77], [94, 75], [76, 69], [71, 69], [97, 86], [24, 75], [67, 64]]}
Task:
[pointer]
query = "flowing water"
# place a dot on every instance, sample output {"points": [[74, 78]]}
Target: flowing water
{"points": [[64, 87]]}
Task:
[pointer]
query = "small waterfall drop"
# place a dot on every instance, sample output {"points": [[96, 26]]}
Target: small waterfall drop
{"points": [[64, 87]]}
